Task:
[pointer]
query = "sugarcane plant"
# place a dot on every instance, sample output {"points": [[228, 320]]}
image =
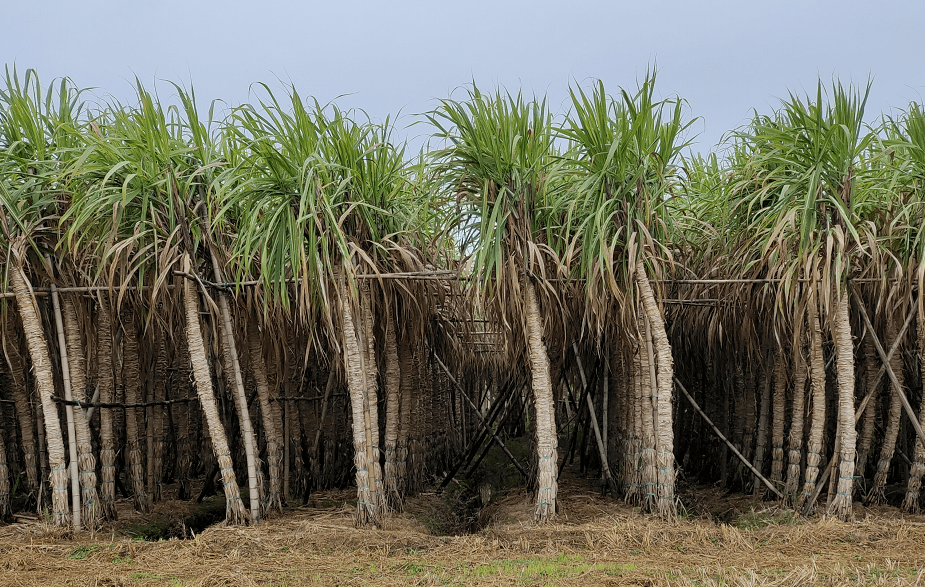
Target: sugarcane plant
{"points": [[140, 176], [500, 159], [36, 146], [321, 201], [624, 154], [903, 156], [799, 200]]}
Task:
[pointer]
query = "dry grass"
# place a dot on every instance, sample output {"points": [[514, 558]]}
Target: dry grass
{"points": [[595, 541]]}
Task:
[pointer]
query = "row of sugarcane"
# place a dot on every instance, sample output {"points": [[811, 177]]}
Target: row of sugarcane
{"points": [[136, 424], [583, 235], [779, 405], [806, 341]]}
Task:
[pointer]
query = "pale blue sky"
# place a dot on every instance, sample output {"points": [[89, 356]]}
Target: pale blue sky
{"points": [[724, 58]]}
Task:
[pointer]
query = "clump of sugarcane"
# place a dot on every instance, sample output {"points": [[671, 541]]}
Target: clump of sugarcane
{"points": [[607, 267]]}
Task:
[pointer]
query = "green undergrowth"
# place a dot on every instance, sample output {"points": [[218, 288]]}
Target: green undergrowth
{"points": [[527, 571], [753, 520], [872, 575], [81, 552]]}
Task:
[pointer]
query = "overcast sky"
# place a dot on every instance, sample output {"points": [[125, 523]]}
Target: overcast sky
{"points": [[723, 58]]}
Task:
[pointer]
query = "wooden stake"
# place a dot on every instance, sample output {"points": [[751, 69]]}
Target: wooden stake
{"points": [[729, 444], [597, 432], [479, 416], [68, 410], [889, 370]]}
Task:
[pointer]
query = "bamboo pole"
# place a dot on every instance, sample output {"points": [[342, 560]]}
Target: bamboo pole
{"points": [[421, 276], [597, 432], [889, 370], [724, 439], [90, 408], [472, 448], [307, 398], [116, 405], [863, 405], [69, 410], [479, 416], [504, 409]]}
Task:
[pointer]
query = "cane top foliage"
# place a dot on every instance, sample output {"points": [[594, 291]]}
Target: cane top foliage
{"points": [[297, 195], [136, 188], [903, 164], [799, 197], [36, 142], [500, 162], [624, 156], [315, 197]]}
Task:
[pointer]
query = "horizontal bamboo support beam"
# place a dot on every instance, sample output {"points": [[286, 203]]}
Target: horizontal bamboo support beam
{"points": [[423, 276], [117, 405], [306, 398], [437, 274], [747, 281], [167, 402], [45, 291]]}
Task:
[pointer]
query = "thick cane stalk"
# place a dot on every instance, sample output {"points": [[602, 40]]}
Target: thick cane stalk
{"points": [[779, 413], [155, 422], [21, 401], [406, 390], [663, 385], [235, 513], [132, 379], [270, 430], [44, 382], [763, 417], [546, 439], [844, 361], [392, 384], [894, 417], [107, 388], [91, 513], [236, 381], [372, 396], [368, 510], [795, 440], [648, 473], [917, 471], [68, 411], [869, 371], [817, 385], [6, 512]]}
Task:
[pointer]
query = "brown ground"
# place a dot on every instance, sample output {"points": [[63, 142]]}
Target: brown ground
{"points": [[596, 541]]}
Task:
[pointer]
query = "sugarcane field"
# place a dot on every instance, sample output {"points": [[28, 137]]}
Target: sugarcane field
{"points": [[271, 344]]}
